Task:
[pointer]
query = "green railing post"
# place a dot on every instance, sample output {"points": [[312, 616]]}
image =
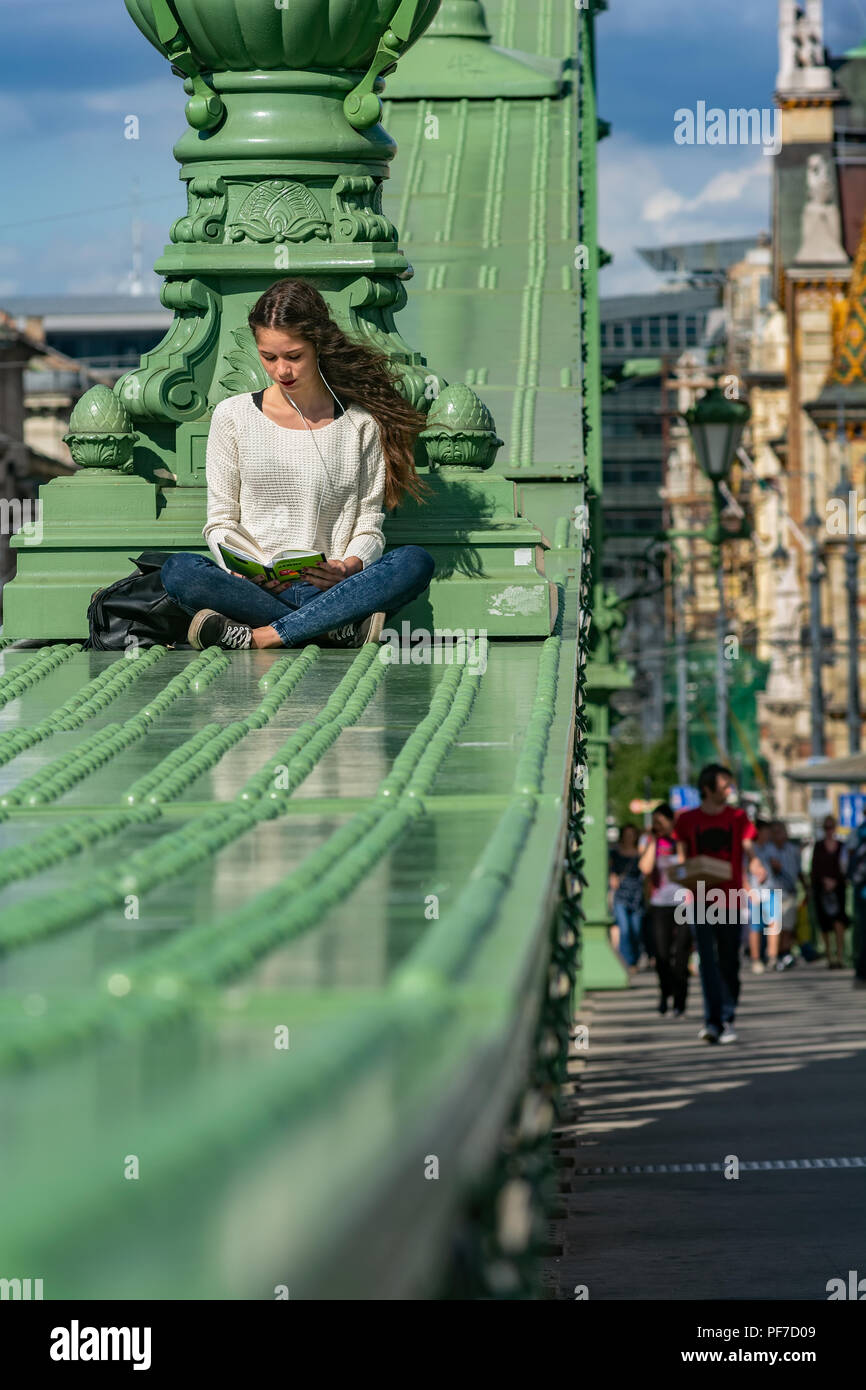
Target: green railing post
{"points": [[602, 969]]}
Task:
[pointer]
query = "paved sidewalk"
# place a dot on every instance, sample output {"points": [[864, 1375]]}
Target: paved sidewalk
{"points": [[792, 1089]]}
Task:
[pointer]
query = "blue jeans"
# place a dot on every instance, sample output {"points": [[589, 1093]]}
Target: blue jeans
{"points": [[719, 952], [301, 612], [629, 921]]}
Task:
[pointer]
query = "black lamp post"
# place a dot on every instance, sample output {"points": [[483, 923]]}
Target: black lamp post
{"points": [[716, 426], [814, 525], [842, 491]]}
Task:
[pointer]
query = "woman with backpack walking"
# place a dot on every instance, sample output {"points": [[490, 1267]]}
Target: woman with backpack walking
{"points": [[660, 850], [626, 885]]}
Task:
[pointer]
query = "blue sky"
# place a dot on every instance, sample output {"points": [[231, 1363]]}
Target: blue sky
{"points": [[68, 81], [655, 56]]}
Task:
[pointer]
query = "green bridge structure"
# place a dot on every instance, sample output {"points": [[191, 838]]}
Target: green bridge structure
{"points": [[291, 941]]}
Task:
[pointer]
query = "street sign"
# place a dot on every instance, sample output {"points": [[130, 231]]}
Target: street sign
{"points": [[852, 809], [684, 798]]}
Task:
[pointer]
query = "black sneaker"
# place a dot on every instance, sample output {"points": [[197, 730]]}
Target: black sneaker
{"points": [[355, 634], [348, 636], [211, 629]]}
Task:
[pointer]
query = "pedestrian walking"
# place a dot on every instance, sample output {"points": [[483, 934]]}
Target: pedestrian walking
{"points": [[757, 892], [856, 872], [673, 940], [781, 859], [827, 883], [720, 830], [627, 895]]}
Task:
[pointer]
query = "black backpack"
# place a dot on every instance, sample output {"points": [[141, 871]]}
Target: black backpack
{"points": [[136, 610]]}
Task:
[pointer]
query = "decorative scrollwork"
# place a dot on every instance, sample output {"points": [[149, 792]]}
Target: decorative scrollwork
{"points": [[279, 210], [356, 206], [247, 372], [165, 386], [206, 215]]}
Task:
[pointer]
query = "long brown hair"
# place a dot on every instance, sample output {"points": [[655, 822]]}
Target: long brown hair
{"points": [[357, 372]]}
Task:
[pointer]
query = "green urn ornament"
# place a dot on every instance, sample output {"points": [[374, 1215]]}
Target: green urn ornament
{"points": [[460, 430], [100, 432]]}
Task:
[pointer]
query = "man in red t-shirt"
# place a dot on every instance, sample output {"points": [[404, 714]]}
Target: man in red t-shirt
{"points": [[717, 829]]}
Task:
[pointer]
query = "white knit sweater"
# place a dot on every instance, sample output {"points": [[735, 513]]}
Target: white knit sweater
{"points": [[271, 481]]}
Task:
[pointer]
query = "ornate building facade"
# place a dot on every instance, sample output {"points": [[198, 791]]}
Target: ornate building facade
{"points": [[819, 201]]}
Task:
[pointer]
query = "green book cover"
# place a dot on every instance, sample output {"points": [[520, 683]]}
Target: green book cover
{"points": [[286, 565]]}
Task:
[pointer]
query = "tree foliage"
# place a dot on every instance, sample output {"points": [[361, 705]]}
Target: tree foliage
{"points": [[641, 770]]}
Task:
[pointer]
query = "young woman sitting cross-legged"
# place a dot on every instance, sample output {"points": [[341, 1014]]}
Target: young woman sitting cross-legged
{"points": [[310, 463]]}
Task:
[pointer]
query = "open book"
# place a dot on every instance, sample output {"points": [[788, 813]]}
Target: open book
{"points": [[241, 554]]}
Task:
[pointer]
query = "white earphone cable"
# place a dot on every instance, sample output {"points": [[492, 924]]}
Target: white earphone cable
{"points": [[312, 434]]}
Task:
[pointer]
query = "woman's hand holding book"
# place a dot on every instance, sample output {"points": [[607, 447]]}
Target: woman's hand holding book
{"points": [[321, 576], [255, 579], [333, 571]]}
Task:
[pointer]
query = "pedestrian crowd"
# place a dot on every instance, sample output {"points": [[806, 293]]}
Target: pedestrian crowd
{"points": [[658, 881]]}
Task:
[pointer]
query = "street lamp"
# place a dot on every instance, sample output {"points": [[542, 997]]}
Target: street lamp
{"points": [[814, 525], [842, 490], [716, 427]]}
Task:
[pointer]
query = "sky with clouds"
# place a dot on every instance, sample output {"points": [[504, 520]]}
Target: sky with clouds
{"points": [[68, 81], [655, 57]]}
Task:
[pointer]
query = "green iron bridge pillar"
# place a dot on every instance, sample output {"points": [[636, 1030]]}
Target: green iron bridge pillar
{"points": [[532, 121]]}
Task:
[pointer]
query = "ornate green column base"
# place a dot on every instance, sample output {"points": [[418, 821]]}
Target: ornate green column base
{"points": [[91, 524]]}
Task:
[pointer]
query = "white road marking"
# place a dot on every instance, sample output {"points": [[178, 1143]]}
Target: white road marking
{"points": [[747, 1166]]}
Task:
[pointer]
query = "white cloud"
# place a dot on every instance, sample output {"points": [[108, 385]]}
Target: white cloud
{"points": [[733, 184], [729, 186], [662, 205], [652, 195]]}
